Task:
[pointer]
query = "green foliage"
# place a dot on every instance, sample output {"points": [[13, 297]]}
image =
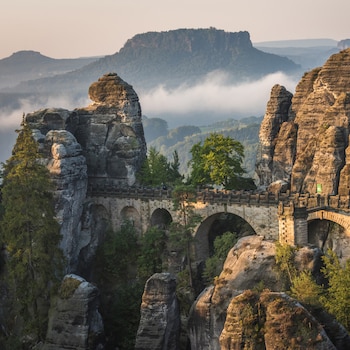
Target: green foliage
{"points": [[285, 261], [121, 315], [114, 256], [150, 260], [181, 232], [68, 287], [120, 295], [154, 170], [337, 297], [174, 176], [305, 289], [157, 171], [214, 264], [31, 235], [245, 130], [218, 161]]}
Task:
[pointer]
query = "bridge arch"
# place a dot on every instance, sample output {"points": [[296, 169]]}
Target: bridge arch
{"points": [[330, 230], [215, 225], [161, 218], [130, 213], [338, 218]]}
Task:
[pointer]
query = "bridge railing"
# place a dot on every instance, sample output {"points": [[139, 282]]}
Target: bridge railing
{"points": [[204, 196], [317, 201], [310, 201]]}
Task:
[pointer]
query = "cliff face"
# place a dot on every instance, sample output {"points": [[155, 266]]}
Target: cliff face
{"points": [[99, 144], [307, 145], [229, 315]]}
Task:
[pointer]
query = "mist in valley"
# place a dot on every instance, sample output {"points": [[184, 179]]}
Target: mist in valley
{"points": [[214, 99]]}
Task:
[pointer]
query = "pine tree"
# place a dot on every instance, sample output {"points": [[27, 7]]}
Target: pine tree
{"points": [[337, 296], [30, 234]]}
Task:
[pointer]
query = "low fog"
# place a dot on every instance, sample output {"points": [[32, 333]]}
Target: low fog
{"points": [[214, 99]]}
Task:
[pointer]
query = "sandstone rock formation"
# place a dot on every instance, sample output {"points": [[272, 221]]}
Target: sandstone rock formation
{"points": [[75, 322], [111, 133], [213, 322], [159, 327], [305, 142], [102, 144], [274, 120], [269, 321]]}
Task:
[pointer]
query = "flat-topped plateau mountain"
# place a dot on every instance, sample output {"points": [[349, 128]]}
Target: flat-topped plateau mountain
{"points": [[170, 58]]}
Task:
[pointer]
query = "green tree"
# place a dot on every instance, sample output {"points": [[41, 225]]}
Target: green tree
{"points": [[115, 272], [285, 261], [116, 255], [155, 169], [174, 176], [337, 296], [150, 261], [222, 245], [30, 233], [217, 161], [181, 232], [305, 289]]}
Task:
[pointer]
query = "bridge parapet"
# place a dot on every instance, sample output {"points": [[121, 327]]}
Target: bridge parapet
{"points": [[204, 196], [312, 202]]}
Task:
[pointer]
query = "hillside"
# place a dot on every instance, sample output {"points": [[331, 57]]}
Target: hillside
{"points": [[29, 65], [171, 59], [182, 139]]}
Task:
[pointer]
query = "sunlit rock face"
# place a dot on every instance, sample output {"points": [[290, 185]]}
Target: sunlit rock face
{"points": [[235, 314], [271, 320], [308, 147], [274, 123], [102, 144], [111, 133]]}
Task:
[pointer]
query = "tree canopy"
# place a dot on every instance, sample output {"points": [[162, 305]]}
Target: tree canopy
{"points": [[157, 170], [30, 234], [218, 161]]}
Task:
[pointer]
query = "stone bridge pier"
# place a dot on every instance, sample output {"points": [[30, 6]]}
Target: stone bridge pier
{"points": [[293, 226]]}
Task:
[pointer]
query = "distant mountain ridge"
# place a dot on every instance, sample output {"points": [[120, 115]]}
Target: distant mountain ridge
{"points": [[29, 65], [171, 58]]}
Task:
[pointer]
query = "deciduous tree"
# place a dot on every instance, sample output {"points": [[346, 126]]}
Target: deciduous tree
{"points": [[217, 161]]}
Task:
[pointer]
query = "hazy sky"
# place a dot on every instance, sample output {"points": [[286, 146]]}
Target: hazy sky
{"points": [[75, 28]]}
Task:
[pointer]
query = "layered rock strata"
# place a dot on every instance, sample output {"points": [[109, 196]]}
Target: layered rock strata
{"points": [[159, 327], [271, 320], [307, 147], [99, 145], [217, 317]]}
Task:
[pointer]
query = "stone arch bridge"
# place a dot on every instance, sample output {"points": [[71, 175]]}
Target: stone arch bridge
{"points": [[281, 217]]}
